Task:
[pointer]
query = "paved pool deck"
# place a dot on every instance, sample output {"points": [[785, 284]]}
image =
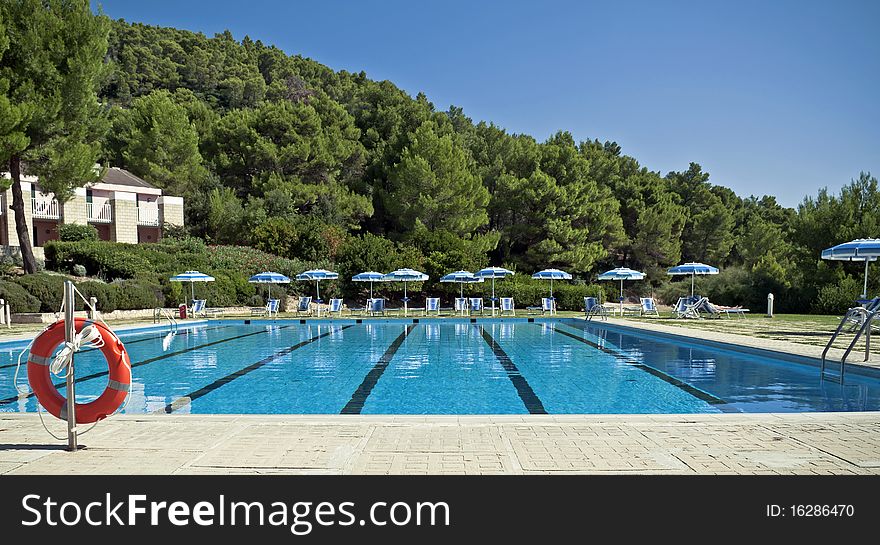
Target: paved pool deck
{"points": [[811, 444], [790, 443]]}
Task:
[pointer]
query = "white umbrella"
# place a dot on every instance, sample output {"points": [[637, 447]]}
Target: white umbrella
{"points": [[369, 276], [192, 277], [269, 278], [551, 275], [621, 273], [493, 273], [860, 249], [405, 275], [462, 278], [317, 275], [692, 269]]}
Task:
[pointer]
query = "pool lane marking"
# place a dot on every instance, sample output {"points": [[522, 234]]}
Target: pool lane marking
{"points": [[135, 341], [356, 404], [182, 401], [12, 399], [526, 394], [692, 390]]}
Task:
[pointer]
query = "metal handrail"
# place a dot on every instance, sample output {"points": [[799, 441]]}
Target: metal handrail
{"points": [[859, 315], [159, 312]]}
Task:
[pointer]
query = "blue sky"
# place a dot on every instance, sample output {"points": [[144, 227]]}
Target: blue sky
{"points": [[769, 97]]}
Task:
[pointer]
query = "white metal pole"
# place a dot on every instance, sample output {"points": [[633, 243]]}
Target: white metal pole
{"points": [[404, 298], [693, 275], [620, 299], [865, 290], [69, 333], [318, 296], [493, 296]]}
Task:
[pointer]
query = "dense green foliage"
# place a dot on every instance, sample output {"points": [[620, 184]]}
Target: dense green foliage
{"points": [[278, 155], [52, 61], [75, 232]]}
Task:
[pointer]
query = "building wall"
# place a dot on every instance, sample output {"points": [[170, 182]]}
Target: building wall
{"points": [[74, 210], [124, 227], [171, 210]]}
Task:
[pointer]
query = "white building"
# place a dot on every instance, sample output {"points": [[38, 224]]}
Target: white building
{"points": [[123, 207]]}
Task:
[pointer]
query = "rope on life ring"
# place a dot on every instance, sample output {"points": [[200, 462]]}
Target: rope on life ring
{"points": [[42, 366]]}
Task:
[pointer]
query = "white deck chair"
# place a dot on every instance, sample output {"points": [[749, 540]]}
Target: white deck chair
{"points": [[432, 304], [507, 306], [648, 307]]}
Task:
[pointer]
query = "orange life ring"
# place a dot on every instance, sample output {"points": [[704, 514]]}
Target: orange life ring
{"points": [[40, 378]]}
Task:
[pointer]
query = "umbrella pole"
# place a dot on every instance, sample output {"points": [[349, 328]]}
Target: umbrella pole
{"points": [[493, 296], [192, 290], [865, 290], [318, 296], [552, 306], [693, 275], [620, 299], [404, 298], [461, 296]]}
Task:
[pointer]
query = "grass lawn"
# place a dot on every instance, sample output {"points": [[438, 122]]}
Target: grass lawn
{"points": [[800, 328]]}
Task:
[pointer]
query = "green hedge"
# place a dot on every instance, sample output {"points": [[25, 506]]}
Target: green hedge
{"points": [[133, 295], [104, 293], [47, 288], [103, 259], [74, 232], [18, 298]]}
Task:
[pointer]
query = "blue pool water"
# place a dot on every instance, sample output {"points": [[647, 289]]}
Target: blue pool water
{"points": [[445, 367]]}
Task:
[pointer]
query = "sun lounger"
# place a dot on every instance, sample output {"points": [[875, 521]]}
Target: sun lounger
{"points": [[335, 306], [548, 304], [432, 304], [475, 304], [648, 307], [507, 306], [304, 306]]}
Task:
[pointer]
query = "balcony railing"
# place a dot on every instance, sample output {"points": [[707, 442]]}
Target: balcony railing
{"points": [[148, 215], [102, 213], [45, 209]]}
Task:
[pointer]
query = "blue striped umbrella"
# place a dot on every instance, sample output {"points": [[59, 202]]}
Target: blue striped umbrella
{"points": [[551, 275], [270, 278], [860, 249], [405, 275], [621, 273], [461, 277], [692, 269], [493, 273], [369, 276], [192, 277], [317, 275]]}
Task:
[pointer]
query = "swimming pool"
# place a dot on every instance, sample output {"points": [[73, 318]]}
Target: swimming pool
{"points": [[448, 366]]}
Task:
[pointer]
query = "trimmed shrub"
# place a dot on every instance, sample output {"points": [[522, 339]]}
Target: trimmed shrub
{"points": [[47, 288], [73, 232], [104, 293], [134, 295], [837, 298], [79, 270], [18, 298], [107, 260]]}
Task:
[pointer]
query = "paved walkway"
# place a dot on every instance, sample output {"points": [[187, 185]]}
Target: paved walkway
{"points": [[814, 443], [745, 340]]}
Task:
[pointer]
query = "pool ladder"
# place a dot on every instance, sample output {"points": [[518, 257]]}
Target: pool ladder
{"points": [[860, 320], [159, 313]]}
